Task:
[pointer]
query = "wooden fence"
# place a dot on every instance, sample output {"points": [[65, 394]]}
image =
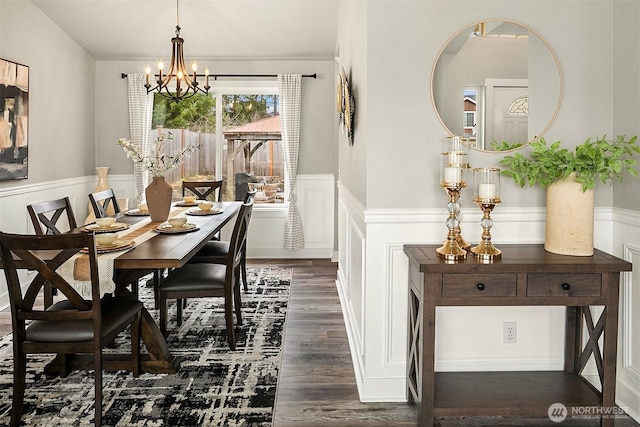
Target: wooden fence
{"points": [[268, 160]]}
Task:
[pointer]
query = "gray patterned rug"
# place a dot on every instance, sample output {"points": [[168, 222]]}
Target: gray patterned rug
{"points": [[213, 387]]}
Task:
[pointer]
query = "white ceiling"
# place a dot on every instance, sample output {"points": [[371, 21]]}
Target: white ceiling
{"points": [[216, 29]]}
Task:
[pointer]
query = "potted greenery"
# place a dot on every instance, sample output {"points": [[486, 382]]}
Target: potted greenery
{"points": [[570, 177]]}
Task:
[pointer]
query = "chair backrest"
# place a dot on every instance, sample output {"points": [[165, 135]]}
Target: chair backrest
{"points": [[45, 216], [33, 252], [202, 189], [104, 203], [239, 235], [251, 194]]}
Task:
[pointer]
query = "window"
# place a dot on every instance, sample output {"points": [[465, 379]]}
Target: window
{"points": [[246, 154], [469, 115]]}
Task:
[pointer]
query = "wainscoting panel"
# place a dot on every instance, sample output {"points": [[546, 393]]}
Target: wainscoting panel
{"points": [[626, 238], [316, 194]]}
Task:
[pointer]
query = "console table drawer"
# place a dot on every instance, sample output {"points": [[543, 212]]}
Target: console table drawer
{"points": [[559, 285], [478, 285]]}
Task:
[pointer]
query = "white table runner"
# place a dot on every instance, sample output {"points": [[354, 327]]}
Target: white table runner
{"points": [[69, 269]]}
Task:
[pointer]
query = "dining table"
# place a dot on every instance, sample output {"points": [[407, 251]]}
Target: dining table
{"points": [[159, 247]]}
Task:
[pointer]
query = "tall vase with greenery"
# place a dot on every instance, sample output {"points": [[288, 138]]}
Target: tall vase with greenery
{"points": [[158, 163], [569, 178]]}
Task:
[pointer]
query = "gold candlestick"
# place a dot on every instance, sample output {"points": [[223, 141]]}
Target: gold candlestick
{"points": [[486, 190], [451, 249]]}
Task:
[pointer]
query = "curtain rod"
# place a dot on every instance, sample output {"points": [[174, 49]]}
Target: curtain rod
{"points": [[215, 76]]}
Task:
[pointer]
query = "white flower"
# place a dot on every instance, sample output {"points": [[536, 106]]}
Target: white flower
{"points": [[157, 162]]}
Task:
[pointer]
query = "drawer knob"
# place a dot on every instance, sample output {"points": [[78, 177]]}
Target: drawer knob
{"points": [[480, 286], [566, 286]]}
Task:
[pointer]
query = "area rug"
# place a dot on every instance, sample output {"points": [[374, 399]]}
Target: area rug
{"points": [[213, 387]]}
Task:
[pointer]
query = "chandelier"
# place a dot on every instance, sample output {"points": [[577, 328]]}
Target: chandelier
{"points": [[177, 84]]}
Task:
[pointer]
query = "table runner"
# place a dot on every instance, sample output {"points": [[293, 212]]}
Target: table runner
{"points": [[76, 269]]}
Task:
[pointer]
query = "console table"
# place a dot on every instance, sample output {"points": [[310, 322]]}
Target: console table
{"points": [[525, 275]]}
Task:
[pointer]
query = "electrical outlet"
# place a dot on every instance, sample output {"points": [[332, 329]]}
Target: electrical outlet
{"points": [[509, 332]]}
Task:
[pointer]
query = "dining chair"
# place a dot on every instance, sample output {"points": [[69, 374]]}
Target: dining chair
{"points": [[49, 218], [202, 189], [216, 252], [210, 280], [104, 203], [46, 217], [72, 325]]}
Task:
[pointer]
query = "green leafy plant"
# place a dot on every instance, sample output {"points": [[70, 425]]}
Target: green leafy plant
{"points": [[504, 146], [602, 159]]}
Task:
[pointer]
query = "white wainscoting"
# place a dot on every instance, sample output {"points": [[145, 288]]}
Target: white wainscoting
{"points": [[316, 205], [374, 297], [626, 237]]}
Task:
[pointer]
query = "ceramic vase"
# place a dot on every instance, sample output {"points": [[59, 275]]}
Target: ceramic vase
{"points": [[101, 185], [569, 220], [158, 195]]}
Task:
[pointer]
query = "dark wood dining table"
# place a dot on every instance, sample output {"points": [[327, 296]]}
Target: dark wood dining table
{"points": [[162, 251]]}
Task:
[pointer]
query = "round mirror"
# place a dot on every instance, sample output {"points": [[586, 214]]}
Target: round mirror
{"points": [[497, 84]]}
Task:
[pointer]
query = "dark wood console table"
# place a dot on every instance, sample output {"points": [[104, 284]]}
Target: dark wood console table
{"points": [[525, 275]]}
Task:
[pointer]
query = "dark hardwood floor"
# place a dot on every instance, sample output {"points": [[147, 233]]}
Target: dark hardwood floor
{"points": [[317, 385]]}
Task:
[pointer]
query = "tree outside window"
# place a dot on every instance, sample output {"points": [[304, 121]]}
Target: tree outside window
{"points": [[246, 154]]}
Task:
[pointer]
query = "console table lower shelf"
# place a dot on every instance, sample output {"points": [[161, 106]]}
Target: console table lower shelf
{"points": [[525, 275], [509, 393]]}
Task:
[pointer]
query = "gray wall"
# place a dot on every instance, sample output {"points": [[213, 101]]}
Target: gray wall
{"points": [[402, 134], [61, 93], [317, 122], [626, 88], [353, 57]]}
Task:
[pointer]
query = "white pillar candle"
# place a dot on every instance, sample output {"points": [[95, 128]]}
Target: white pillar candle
{"points": [[487, 191], [454, 158], [452, 175]]}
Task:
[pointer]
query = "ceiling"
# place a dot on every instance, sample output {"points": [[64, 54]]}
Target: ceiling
{"points": [[216, 29]]}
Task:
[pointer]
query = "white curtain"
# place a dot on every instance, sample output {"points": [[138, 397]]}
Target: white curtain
{"points": [[140, 110], [290, 93]]}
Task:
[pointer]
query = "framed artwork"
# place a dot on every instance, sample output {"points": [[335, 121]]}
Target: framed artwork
{"points": [[14, 120]]}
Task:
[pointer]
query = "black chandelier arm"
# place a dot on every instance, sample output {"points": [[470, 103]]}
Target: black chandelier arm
{"points": [[216, 76]]}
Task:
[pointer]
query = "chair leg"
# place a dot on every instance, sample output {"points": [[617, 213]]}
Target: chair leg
{"points": [[19, 378], [162, 302], [156, 282], [237, 301], [134, 289], [243, 267], [179, 305], [135, 345], [97, 364], [228, 315], [65, 368]]}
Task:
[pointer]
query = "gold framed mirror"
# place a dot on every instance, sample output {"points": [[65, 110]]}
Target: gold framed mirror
{"points": [[497, 84]]}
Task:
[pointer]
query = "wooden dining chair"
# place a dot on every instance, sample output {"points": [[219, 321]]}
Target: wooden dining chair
{"points": [[202, 189], [73, 325], [46, 217], [104, 203], [210, 280], [216, 252], [52, 217]]}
